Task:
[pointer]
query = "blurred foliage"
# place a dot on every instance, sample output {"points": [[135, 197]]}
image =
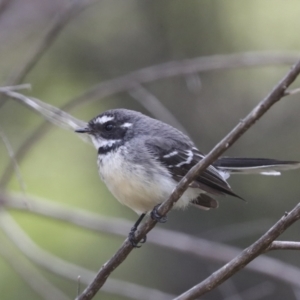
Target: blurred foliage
{"points": [[112, 38]]}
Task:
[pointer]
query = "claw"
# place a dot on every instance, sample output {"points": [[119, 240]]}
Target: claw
{"points": [[132, 239], [155, 215]]}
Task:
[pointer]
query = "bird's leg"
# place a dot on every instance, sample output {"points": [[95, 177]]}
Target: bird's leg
{"points": [[155, 215], [133, 229]]}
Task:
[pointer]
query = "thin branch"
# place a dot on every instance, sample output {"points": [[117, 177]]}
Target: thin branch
{"points": [[69, 270], [292, 92], [284, 245], [174, 68], [24, 86], [258, 111], [246, 256]]}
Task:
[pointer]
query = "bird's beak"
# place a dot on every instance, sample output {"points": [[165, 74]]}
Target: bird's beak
{"points": [[82, 130]]}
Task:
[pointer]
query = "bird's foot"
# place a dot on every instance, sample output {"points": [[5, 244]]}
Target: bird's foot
{"points": [[132, 239], [155, 215]]}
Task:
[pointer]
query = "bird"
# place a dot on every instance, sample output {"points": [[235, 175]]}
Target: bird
{"points": [[142, 159]]}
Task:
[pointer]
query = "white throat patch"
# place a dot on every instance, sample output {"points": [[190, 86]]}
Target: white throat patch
{"points": [[100, 143]]}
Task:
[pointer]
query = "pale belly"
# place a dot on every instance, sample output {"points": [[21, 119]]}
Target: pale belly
{"points": [[139, 188]]}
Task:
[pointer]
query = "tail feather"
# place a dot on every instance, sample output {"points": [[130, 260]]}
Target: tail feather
{"points": [[264, 166]]}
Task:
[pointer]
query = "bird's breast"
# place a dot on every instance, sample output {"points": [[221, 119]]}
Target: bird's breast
{"points": [[136, 185]]}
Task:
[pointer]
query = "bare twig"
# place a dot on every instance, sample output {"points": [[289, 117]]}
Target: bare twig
{"points": [[69, 270], [276, 94], [174, 68], [244, 258], [24, 86], [292, 92], [284, 245]]}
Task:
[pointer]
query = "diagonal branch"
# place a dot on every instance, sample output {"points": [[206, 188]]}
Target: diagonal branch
{"points": [[276, 94], [244, 258]]}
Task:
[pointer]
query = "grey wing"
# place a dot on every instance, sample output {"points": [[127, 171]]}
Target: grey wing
{"points": [[179, 158]]}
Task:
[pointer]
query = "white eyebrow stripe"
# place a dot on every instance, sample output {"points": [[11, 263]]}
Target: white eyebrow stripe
{"points": [[104, 119], [126, 125]]}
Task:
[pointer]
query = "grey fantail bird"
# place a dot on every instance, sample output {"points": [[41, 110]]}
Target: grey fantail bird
{"points": [[141, 160]]}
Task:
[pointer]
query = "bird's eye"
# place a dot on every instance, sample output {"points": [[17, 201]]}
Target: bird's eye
{"points": [[109, 127]]}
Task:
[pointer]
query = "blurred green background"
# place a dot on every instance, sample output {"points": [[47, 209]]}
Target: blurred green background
{"points": [[111, 38]]}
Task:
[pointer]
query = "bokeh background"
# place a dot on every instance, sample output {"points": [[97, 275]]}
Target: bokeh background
{"points": [[107, 39]]}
